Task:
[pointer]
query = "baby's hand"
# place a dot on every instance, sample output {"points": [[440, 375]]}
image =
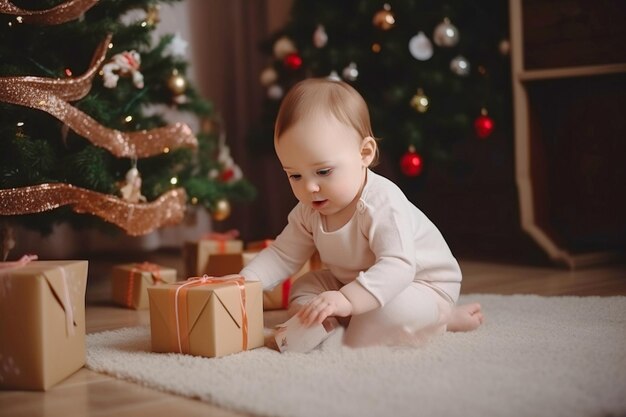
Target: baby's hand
{"points": [[328, 303]]}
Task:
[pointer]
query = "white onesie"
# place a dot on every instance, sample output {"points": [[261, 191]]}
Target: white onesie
{"points": [[389, 250]]}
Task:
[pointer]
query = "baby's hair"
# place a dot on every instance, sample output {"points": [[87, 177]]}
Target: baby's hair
{"points": [[336, 98]]}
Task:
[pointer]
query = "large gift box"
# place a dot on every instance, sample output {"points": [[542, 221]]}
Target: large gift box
{"points": [[206, 317], [130, 283], [197, 254], [42, 323]]}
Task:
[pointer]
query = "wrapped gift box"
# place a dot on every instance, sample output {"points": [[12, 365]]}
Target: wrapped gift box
{"points": [[197, 254], [206, 319], [130, 283], [42, 323]]}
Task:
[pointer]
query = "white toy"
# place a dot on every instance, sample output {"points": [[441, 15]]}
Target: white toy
{"points": [[125, 63], [131, 189]]}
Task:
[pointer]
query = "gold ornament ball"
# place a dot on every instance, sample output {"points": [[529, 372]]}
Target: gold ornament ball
{"points": [[153, 15], [221, 210], [420, 101], [504, 47], [177, 83], [384, 19], [283, 47]]}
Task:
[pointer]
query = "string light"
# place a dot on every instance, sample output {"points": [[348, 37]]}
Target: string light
{"points": [[173, 180]]}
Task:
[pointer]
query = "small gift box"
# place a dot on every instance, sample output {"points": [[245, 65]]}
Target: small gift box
{"points": [[196, 254], [130, 283], [42, 323], [206, 316]]}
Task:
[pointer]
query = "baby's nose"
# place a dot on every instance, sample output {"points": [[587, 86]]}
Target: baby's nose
{"points": [[312, 187]]}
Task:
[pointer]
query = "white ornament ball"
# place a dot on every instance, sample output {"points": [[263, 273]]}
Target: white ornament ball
{"points": [[420, 47], [275, 92], [446, 34], [350, 73], [320, 38], [333, 76]]}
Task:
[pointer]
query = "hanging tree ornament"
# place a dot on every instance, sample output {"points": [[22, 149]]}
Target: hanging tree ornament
{"points": [[275, 92], [124, 64], [221, 210], [176, 83], [131, 187], [420, 47], [504, 47], [446, 34], [411, 163], [460, 66], [293, 61], [384, 19], [333, 76], [420, 101], [484, 125], [153, 14], [350, 73], [320, 37], [268, 76], [283, 47]]}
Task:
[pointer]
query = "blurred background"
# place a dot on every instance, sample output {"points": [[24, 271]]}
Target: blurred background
{"points": [[502, 121]]}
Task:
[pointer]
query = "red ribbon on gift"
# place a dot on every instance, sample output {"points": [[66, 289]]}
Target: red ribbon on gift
{"points": [[221, 238], [155, 273], [181, 340]]}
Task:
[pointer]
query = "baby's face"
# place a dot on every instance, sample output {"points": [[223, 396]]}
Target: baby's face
{"points": [[322, 159]]}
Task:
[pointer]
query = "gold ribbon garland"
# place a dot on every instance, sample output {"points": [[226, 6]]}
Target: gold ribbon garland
{"points": [[61, 13], [136, 219], [51, 95]]}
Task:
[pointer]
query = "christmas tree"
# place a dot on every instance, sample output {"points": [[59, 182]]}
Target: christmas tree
{"points": [[83, 136], [433, 73]]}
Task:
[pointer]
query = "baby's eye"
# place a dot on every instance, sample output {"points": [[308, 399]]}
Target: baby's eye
{"points": [[324, 172], [295, 177]]}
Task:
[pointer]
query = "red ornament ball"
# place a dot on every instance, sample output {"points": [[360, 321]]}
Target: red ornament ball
{"points": [[292, 61], [411, 163], [483, 125]]}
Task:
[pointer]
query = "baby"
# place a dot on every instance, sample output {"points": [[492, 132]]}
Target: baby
{"points": [[391, 278]]}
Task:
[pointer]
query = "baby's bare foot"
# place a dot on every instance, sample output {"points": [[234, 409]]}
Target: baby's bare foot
{"points": [[465, 318]]}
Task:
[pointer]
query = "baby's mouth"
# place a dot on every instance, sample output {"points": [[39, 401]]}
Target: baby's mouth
{"points": [[319, 204]]}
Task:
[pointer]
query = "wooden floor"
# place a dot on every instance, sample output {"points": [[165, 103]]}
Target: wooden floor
{"points": [[88, 393]]}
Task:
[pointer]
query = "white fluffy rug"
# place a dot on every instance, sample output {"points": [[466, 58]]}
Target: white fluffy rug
{"points": [[534, 356]]}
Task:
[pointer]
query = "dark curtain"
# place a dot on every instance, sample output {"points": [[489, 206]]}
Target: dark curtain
{"points": [[227, 61]]}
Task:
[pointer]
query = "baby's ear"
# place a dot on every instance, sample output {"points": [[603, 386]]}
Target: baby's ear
{"points": [[368, 150]]}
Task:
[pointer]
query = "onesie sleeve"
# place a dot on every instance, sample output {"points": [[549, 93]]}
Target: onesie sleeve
{"points": [[286, 255], [388, 226]]}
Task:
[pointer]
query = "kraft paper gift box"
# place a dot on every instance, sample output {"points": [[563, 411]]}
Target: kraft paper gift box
{"points": [[197, 254], [130, 283], [42, 323], [206, 318]]}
